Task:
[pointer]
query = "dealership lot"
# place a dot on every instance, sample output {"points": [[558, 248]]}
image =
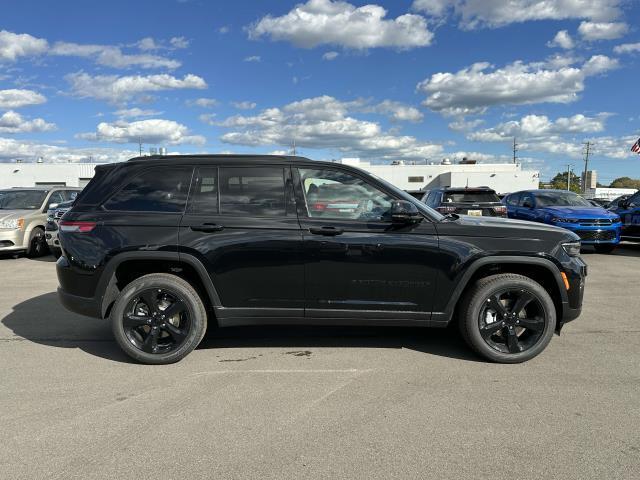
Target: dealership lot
{"points": [[318, 402]]}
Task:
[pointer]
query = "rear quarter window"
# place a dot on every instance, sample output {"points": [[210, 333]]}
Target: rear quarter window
{"points": [[156, 189]]}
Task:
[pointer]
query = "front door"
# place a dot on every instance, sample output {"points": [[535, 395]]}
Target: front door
{"points": [[241, 223], [358, 266]]}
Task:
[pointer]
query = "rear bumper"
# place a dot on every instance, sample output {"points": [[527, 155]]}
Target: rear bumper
{"points": [[83, 305], [80, 284]]}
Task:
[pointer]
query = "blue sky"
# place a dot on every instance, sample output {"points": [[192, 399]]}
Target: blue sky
{"points": [[410, 80]]}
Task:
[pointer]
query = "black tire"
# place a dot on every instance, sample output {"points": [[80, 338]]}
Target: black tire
{"points": [[486, 338], [37, 243], [606, 248], [134, 340]]}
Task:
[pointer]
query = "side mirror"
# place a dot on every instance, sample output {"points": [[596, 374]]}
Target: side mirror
{"points": [[404, 213]]}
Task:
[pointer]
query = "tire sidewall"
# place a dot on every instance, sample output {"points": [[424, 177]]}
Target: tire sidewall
{"points": [[195, 309], [477, 303], [36, 237]]}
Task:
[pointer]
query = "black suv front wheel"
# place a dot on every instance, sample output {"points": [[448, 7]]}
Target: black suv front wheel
{"points": [[158, 319], [507, 318]]}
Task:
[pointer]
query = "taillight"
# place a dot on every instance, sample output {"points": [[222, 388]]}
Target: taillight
{"points": [[319, 206], [444, 209], [502, 210], [78, 227]]}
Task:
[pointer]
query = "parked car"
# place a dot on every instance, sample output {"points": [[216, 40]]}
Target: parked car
{"points": [[594, 225], [629, 211], [479, 201], [54, 214], [162, 246], [599, 202], [615, 203], [23, 217]]}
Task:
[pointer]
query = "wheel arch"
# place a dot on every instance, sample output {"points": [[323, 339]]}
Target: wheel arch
{"points": [[541, 270], [127, 266]]}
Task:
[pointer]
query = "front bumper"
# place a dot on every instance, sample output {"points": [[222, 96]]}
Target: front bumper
{"points": [[11, 240], [594, 235], [576, 271]]}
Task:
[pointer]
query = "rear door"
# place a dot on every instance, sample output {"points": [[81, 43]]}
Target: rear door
{"points": [[358, 266], [241, 223]]}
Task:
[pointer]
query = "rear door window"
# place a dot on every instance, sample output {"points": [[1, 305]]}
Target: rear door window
{"points": [[254, 191], [154, 190], [513, 199]]}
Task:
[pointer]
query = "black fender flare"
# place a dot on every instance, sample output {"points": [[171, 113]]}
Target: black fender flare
{"points": [[108, 290], [443, 318]]}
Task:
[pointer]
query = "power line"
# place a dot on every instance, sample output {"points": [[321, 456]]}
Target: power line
{"points": [[515, 150]]}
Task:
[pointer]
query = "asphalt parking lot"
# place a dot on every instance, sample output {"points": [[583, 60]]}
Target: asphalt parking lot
{"points": [[318, 402]]}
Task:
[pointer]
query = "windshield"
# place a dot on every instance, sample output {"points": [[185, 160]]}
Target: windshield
{"points": [[561, 199], [21, 199], [470, 197]]}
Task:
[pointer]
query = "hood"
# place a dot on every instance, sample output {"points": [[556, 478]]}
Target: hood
{"points": [[14, 214], [498, 227], [583, 212]]}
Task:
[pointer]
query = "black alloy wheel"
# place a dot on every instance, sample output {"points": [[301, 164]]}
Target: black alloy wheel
{"points": [[507, 318], [512, 321], [156, 321]]}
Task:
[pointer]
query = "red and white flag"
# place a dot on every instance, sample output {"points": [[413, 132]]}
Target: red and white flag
{"points": [[636, 147]]}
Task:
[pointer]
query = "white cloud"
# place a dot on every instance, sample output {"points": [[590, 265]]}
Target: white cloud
{"points": [[397, 111], [497, 13], [330, 56], [473, 89], [13, 45], [224, 29], [327, 22], [147, 43], [244, 105], [607, 146], [203, 102], [463, 125], [13, 122], [16, 98], [252, 58], [592, 31], [110, 56], [115, 89], [179, 42], [541, 127], [153, 131], [627, 48], [562, 40], [208, 118], [13, 149], [324, 122], [136, 113]]}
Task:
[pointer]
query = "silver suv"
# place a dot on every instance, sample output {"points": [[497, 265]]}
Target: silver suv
{"points": [[23, 216]]}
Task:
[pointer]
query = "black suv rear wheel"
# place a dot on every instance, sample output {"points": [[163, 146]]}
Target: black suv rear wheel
{"points": [[507, 318], [158, 319]]}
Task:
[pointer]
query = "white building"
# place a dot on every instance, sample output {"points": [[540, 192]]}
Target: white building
{"points": [[502, 177], [45, 174], [608, 193]]}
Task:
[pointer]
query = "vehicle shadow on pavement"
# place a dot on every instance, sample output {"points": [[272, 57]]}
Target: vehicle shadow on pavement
{"points": [[626, 249], [43, 320]]}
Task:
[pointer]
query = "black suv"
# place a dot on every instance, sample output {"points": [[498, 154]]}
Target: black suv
{"points": [[478, 201], [164, 245]]}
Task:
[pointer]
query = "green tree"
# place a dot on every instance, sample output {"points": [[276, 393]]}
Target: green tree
{"points": [[559, 182], [626, 182]]}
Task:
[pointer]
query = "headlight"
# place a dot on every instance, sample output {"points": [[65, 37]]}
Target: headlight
{"points": [[563, 220], [15, 224], [616, 219], [572, 248]]}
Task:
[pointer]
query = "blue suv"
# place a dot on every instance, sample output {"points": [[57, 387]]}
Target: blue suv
{"points": [[629, 211], [594, 225]]}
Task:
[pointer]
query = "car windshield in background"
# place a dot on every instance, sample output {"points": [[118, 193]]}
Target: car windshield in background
{"points": [[561, 199], [21, 199], [470, 197]]}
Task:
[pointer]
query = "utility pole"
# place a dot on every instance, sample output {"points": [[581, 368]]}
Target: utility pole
{"points": [[140, 145], [587, 150], [515, 150], [293, 150], [569, 176]]}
